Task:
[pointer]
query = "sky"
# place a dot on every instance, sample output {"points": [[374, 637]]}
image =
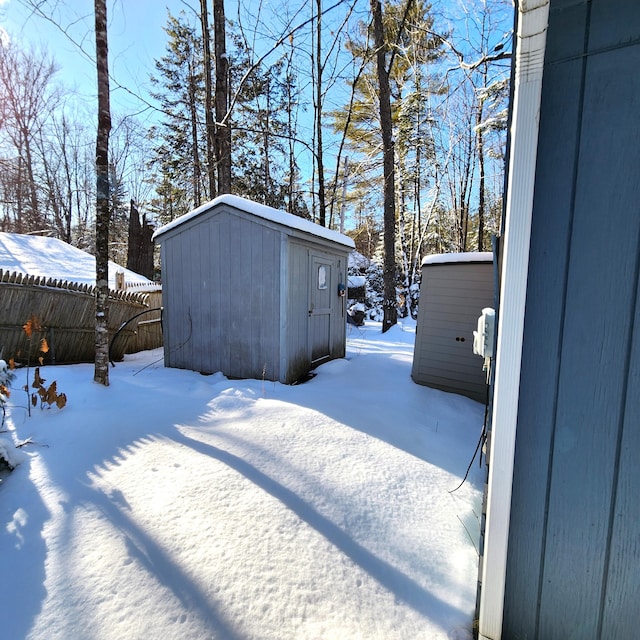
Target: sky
{"points": [[136, 39], [135, 34]]}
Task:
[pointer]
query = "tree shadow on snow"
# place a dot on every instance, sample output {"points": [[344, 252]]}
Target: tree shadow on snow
{"points": [[150, 555], [24, 566], [403, 587]]}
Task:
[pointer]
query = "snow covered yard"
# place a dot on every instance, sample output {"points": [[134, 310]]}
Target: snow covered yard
{"points": [[176, 505]]}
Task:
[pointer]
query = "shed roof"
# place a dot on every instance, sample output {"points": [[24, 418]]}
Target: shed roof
{"points": [[261, 211], [451, 258]]}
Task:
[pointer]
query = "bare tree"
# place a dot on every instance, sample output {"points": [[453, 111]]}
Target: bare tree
{"points": [[26, 101], [223, 124], [390, 310], [208, 93], [101, 374], [318, 117]]}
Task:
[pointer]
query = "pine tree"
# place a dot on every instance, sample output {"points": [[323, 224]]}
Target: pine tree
{"points": [[179, 151]]}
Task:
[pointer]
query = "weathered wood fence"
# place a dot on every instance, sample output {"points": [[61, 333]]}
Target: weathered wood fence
{"points": [[65, 313]]}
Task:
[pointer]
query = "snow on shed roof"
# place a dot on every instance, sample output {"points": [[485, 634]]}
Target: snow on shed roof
{"points": [[449, 258], [262, 211], [357, 281], [53, 258]]}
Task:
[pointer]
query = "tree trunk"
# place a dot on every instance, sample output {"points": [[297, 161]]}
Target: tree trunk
{"points": [[140, 246], [134, 237], [390, 309], [480, 149], [322, 219], [146, 249], [208, 98], [195, 152], [101, 374], [223, 123], [481, 187], [291, 184]]}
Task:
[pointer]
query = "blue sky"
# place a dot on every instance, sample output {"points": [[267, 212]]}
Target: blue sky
{"points": [[136, 39]]}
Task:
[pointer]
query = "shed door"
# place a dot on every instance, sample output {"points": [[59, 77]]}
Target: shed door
{"points": [[320, 308]]}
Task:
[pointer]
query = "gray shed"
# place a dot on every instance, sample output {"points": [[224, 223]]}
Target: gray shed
{"points": [[454, 289], [251, 291]]}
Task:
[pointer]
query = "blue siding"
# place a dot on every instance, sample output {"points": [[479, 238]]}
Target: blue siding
{"points": [[573, 566]]}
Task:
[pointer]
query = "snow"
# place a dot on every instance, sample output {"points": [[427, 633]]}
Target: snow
{"points": [[177, 505], [262, 211], [358, 261], [53, 258], [448, 258], [357, 281]]}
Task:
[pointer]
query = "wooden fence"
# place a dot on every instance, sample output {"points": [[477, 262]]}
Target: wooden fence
{"points": [[65, 314]]}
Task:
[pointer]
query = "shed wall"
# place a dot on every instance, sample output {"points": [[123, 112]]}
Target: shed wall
{"points": [[452, 297], [222, 296], [573, 566]]}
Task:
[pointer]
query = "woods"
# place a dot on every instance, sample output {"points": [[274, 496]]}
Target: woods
{"points": [[386, 119]]}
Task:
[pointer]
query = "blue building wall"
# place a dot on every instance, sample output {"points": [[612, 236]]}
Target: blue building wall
{"points": [[573, 568]]}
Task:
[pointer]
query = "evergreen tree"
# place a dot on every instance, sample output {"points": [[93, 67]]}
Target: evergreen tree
{"points": [[261, 165], [412, 51], [180, 139]]}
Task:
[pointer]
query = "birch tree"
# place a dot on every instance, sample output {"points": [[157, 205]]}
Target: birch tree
{"points": [[101, 373]]}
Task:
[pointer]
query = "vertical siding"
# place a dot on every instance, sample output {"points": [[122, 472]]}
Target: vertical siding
{"points": [[247, 298], [595, 345], [623, 578], [198, 300], [238, 306], [540, 356], [297, 321], [268, 336], [573, 562], [222, 311], [223, 290], [452, 297], [178, 332]]}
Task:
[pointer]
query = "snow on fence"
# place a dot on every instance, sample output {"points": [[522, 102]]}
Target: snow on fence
{"points": [[65, 312]]}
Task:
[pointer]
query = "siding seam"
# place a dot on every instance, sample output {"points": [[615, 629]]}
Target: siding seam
{"points": [[549, 483], [623, 406]]}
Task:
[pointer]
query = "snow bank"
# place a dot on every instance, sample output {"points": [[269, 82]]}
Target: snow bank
{"points": [[174, 505]]}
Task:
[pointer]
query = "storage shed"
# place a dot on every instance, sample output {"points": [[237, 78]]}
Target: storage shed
{"points": [[454, 289], [252, 291]]}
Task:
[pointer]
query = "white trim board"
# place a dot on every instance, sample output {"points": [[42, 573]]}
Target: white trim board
{"points": [[533, 17]]}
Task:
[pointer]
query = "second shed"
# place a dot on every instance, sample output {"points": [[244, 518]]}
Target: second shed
{"points": [[454, 289]]}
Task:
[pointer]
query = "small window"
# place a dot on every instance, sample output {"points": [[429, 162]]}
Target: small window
{"points": [[322, 277]]}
